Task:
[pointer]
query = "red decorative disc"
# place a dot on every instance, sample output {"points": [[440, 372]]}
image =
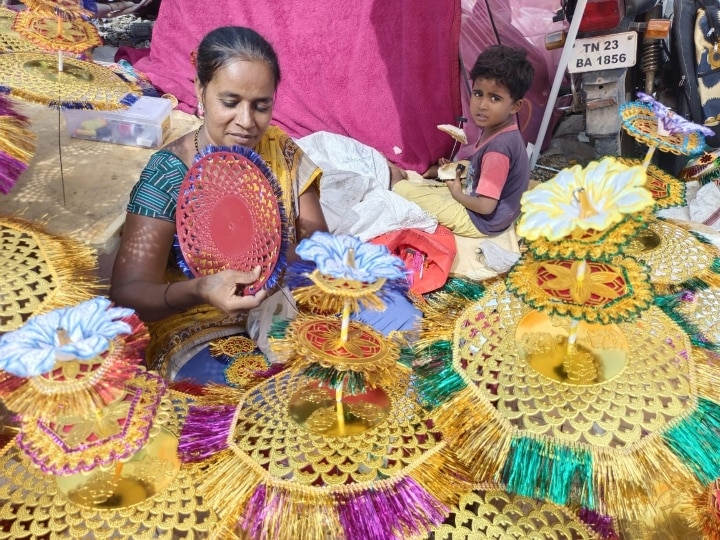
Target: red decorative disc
{"points": [[228, 216]]}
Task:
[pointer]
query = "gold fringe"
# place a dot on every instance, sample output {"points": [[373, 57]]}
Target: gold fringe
{"points": [[440, 313], [707, 375], [481, 440], [322, 302], [624, 483], [17, 141], [220, 394], [226, 483], [306, 514], [443, 476], [701, 510], [73, 268]]}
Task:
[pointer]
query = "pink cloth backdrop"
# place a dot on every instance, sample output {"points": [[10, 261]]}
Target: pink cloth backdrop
{"points": [[382, 72]]}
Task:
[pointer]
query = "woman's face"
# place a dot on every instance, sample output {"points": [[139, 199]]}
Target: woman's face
{"points": [[238, 103]]}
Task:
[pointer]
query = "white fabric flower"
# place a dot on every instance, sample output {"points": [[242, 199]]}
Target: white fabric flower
{"points": [[80, 332], [330, 253], [611, 190]]}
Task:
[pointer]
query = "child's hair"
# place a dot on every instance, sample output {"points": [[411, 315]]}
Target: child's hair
{"points": [[507, 66]]}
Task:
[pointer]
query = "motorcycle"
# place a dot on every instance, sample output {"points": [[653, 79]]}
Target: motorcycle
{"points": [[603, 67]]}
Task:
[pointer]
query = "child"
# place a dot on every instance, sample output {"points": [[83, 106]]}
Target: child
{"points": [[499, 169]]}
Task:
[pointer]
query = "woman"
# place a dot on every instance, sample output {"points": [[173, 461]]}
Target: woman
{"points": [[237, 78]]}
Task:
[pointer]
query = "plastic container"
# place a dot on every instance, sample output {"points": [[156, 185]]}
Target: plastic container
{"points": [[146, 123]]}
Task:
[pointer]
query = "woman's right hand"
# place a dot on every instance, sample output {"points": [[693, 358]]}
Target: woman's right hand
{"points": [[224, 290], [443, 161]]}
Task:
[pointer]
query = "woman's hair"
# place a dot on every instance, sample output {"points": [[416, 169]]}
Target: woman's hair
{"points": [[506, 65], [233, 43]]}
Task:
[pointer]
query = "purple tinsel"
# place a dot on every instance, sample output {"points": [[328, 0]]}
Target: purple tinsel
{"points": [[389, 513], [10, 171], [205, 432], [602, 525]]}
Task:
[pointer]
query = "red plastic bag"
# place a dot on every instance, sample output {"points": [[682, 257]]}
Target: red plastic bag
{"points": [[429, 256]]}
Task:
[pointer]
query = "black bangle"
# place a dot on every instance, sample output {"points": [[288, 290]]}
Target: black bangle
{"points": [[169, 306]]}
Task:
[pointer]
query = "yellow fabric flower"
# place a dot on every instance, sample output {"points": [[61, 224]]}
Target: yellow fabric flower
{"points": [[593, 198]]}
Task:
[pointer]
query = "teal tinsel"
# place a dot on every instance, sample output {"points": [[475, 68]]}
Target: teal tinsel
{"points": [[434, 379], [550, 471], [278, 328], [696, 439], [407, 356], [350, 382]]}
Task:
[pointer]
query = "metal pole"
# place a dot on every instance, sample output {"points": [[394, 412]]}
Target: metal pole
{"points": [[559, 74]]}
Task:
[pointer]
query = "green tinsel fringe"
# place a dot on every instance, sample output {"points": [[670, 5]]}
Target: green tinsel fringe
{"points": [[351, 382], [407, 356], [464, 288], [669, 305], [696, 439], [544, 470], [278, 328], [435, 381]]}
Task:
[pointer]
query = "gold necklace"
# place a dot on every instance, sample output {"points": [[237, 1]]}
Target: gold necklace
{"points": [[195, 138]]}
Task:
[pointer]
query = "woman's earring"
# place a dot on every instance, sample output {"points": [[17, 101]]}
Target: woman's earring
{"points": [[200, 110]]}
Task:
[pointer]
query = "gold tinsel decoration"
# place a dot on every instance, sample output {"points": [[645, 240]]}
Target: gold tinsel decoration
{"points": [[40, 272]]}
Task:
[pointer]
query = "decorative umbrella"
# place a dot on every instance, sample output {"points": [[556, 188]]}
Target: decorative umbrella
{"points": [[80, 85], [11, 41], [40, 272], [270, 469], [652, 123], [703, 168], [17, 145], [55, 34], [67, 9], [89, 414], [557, 406], [336, 444], [152, 497]]}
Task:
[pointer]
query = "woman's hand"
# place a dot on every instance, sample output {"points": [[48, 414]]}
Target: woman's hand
{"points": [[224, 290], [116, 9]]}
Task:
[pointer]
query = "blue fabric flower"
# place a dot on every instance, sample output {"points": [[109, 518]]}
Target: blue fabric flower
{"points": [[88, 328], [330, 253]]}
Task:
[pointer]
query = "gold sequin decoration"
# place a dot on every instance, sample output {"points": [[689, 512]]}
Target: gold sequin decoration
{"points": [[591, 244], [242, 370], [652, 391], [72, 442], [265, 432], [704, 312], [232, 346], [667, 191], [677, 258], [610, 291], [32, 507], [496, 514]]}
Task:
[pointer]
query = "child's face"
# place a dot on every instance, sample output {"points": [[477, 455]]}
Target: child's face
{"points": [[491, 105]]}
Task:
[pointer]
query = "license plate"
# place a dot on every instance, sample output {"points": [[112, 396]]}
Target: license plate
{"points": [[603, 52]]}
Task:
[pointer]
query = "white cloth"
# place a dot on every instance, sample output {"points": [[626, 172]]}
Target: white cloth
{"points": [[354, 190]]}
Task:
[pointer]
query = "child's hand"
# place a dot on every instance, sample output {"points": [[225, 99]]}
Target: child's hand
{"points": [[455, 185], [443, 161]]}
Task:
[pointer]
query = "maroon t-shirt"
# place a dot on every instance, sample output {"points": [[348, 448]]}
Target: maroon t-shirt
{"points": [[500, 170]]}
